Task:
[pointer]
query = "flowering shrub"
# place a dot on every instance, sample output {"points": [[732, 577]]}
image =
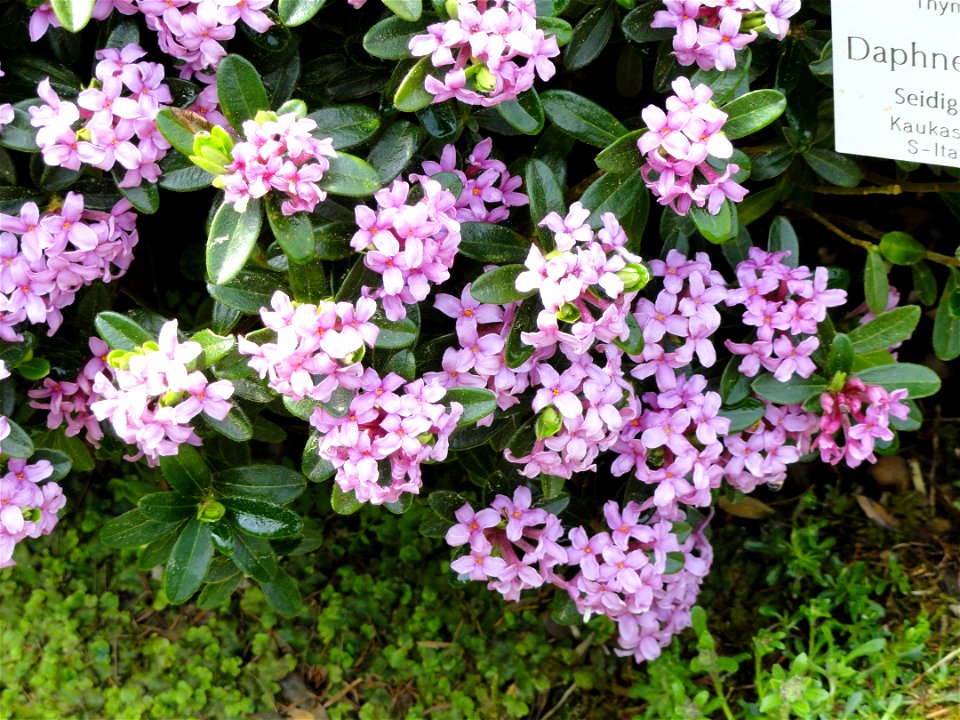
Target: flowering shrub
{"points": [[461, 296]]}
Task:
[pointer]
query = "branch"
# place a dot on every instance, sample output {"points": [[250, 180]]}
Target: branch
{"points": [[894, 189]]}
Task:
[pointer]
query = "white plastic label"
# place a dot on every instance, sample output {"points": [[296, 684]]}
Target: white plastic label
{"points": [[896, 79]]}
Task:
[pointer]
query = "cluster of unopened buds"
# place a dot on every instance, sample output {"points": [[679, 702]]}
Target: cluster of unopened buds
{"points": [[389, 429], [191, 32], [45, 258], [409, 245], [643, 572], [710, 32], [150, 395], [678, 148], [115, 119], [494, 46], [489, 190], [278, 153]]}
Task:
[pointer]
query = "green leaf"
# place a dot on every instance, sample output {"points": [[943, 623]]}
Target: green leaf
{"points": [[283, 594], [188, 562], [517, 351], [395, 334], [255, 557], [273, 483], [394, 149], [720, 228], [179, 128], [34, 369], [833, 167], [346, 125], [186, 472], [404, 364], [308, 282], [344, 503], [633, 345], [924, 283], [840, 357], [236, 425], [409, 10], [294, 233], [332, 240], [316, 469], [240, 90], [725, 84], [525, 114], [73, 447], [61, 462], [349, 175], [215, 347], [582, 118], [477, 403], [491, 243], [557, 27], [752, 112], [390, 38], [248, 292], [145, 197], [498, 286], [946, 325], [886, 329], [17, 444], [744, 414], [618, 194], [73, 14], [901, 248], [876, 286], [622, 155], [298, 12], [546, 196], [215, 594], [260, 518], [797, 390], [590, 36], [120, 332], [133, 529], [636, 24], [782, 236], [446, 503], [411, 94], [168, 506], [918, 380], [181, 175], [232, 237], [734, 385]]}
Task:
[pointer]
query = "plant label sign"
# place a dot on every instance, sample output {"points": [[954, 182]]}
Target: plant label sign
{"points": [[896, 79]]}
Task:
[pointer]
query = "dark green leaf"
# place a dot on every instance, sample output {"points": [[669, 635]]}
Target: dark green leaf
{"points": [[17, 444], [236, 425], [886, 329], [560, 29], [517, 351], [240, 90], [349, 175], [477, 403], [60, 461], [840, 357], [924, 283], [120, 332], [333, 240], [395, 334], [261, 518], [411, 95], [636, 24], [876, 286], [918, 380], [273, 483], [344, 503], [254, 556], [617, 194], [346, 125], [833, 167], [744, 414], [215, 347], [215, 594], [901, 248], [725, 84], [73, 14], [168, 506], [298, 12], [315, 468], [188, 562], [248, 292], [294, 233], [622, 156], [720, 228], [590, 36], [524, 114], [232, 237], [34, 369], [145, 197], [582, 118], [797, 390], [394, 149], [186, 472], [545, 195], [491, 243], [946, 325], [782, 236], [181, 175], [283, 594], [390, 38], [752, 112], [498, 286], [446, 503], [734, 385], [409, 10], [133, 529]]}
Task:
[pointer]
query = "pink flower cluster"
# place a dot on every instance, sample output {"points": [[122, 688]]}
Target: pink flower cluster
{"points": [[760, 454], [27, 508], [379, 443], [861, 413], [486, 41], [784, 304], [278, 153], [6, 111], [191, 32], [489, 190], [710, 32], [114, 128], [69, 402], [677, 147], [640, 574], [45, 258], [409, 246], [150, 395], [317, 347]]}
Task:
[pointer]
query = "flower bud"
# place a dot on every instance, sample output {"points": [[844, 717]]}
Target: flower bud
{"points": [[752, 21], [837, 382], [426, 439], [171, 398], [210, 511], [264, 116], [119, 359], [549, 423], [30, 514], [634, 276], [212, 150], [453, 9], [568, 313], [484, 80]]}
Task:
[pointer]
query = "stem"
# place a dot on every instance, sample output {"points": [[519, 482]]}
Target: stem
{"points": [[718, 688], [892, 189], [935, 257]]}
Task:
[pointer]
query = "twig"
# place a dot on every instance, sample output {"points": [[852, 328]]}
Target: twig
{"points": [[563, 698], [942, 661], [344, 691], [894, 189]]}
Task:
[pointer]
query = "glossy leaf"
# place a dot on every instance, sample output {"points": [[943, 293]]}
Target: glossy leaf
{"points": [[876, 286], [590, 36], [332, 240], [395, 334], [346, 125], [918, 380], [622, 155], [841, 354], [272, 483], [498, 286], [294, 233], [188, 562], [283, 594], [215, 347], [946, 325], [901, 248], [797, 390], [582, 118], [492, 243], [744, 414], [525, 114], [236, 425], [394, 149], [390, 38], [350, 176], [720, 228], [298, 12], [231, 239], [121, 332], [344, 503], [240, 90], [886, 329], [411, 94], [168, 506], [179, 128], [17, 444], [133, 529], [545, 195], [260, 518], [73, 14], [477, 403], [833, 167], [752, 112], [406, 9], [254, 556], [782, 236], [249, 291], [186, 472]]}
